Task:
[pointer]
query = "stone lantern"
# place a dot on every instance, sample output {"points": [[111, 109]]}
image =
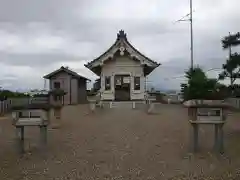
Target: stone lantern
{"points": [[57, 104]]}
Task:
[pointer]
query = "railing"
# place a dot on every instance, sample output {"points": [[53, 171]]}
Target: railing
{"points": [[25, 101], [5, 106], [234, 102]]}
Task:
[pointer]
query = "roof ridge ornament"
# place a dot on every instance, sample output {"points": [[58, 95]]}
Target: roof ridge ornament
{"points": [[121, 35]]}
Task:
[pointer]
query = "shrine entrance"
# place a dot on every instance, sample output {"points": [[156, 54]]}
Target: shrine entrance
{"points": [[122, 87]]}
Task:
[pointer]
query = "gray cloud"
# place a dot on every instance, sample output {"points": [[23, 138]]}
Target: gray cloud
{"points": [[38, 11], [36, 60], [39, 36]]}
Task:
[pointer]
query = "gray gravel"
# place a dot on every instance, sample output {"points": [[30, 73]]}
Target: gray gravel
{"points": [[119, 144]]}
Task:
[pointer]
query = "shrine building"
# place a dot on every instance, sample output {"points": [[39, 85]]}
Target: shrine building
{"points": [[122, 70]]}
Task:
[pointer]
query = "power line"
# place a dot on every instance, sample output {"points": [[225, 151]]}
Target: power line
{"points": [[183, 76], [212, 69]]}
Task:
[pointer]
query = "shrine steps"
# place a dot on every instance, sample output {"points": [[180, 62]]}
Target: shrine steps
{"points": [[124, 104]]}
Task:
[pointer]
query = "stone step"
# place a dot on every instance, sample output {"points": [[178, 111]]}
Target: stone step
{"points": [[123, 104], [127, 105]]}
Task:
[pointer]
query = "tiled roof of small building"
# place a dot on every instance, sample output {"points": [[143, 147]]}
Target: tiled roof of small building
{"points": [[67, 70]]}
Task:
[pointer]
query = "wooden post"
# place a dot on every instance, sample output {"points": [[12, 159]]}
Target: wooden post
{"points": [[150, 107], [110, 104], [195, 137], [1, 107], [57, 112], [100, 104], [43, 135], [92, 105], [216, 137], [56, 121], [20, 139], [134, 105], [221, 145]]}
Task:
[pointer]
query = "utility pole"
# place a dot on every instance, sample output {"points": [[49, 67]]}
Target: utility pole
{"points": [[190, 19], [191, 32]]}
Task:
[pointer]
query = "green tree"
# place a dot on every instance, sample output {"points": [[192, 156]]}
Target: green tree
{"points": [[231, 68], [231, 40], [195, 78], [199, 86], [11, 94]]}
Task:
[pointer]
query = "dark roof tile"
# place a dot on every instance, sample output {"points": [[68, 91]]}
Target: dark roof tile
{"points": [[48, 76]]}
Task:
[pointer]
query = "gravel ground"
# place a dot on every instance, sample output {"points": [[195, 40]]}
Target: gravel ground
{"points": [[120, 144]]}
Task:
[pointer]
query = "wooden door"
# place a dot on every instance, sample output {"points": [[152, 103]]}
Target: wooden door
{"points": [[122, 87]]}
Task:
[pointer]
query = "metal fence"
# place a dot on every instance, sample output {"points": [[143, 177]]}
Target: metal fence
{"points": [[5, 106]]}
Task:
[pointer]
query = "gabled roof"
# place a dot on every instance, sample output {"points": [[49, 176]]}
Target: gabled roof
{"points": [[122, 42], [68, 71]]}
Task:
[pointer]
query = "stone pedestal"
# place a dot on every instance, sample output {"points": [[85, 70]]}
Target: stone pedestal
{"points": [[92, 105], [151, 108], [134, 105], [56, 119], [210, 112], [31, 115]]}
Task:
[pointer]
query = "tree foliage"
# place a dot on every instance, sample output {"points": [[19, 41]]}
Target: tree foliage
{"points": [[231, 69], [231, 40], [11, 94], [199, 86]]}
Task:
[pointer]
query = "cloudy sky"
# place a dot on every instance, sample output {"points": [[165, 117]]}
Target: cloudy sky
{"points": [[39, 36]]}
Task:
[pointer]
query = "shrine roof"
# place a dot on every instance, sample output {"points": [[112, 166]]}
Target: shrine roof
{"points": [[122, 44]]}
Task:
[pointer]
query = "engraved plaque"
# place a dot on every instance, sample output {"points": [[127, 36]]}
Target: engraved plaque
{"points": [[32, 117], [126, 80], [209, 114]]}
